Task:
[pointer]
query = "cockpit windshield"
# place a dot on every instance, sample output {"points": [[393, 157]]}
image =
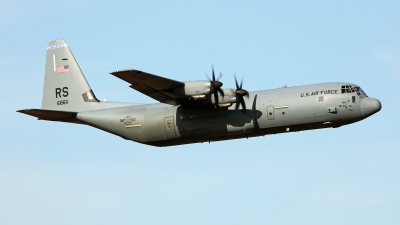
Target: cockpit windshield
{"points": [[351, 89]]}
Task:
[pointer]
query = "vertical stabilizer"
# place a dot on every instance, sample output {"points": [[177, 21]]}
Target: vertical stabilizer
{"points": [[65, 86]]}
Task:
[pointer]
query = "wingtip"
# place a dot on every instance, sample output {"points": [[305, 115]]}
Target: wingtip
{"points": [[125, 70], [22, 110]]}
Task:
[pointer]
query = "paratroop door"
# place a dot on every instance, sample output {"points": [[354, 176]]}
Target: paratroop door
{"points": [[170, 127]]}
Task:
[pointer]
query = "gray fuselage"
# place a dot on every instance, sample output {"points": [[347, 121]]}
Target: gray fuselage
{"points": [[286, 109]]}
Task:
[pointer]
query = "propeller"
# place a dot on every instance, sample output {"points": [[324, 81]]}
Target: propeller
{"points": [[216, 86], [239, 95], [254, 113]]}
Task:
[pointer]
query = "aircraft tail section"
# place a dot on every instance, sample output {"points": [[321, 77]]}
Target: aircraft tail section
{"points": [[65, 86]]}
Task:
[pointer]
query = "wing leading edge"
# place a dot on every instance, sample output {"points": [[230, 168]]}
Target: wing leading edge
{"points": [[156, 87]]}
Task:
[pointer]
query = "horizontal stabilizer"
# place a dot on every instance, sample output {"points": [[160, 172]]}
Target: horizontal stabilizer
{"points": [[52, 115]]}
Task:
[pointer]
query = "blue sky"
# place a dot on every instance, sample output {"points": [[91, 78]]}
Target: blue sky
{"points": [[56, 173]]}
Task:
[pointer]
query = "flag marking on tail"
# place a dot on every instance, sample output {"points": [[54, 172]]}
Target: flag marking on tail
{"points": [[62, 69]]}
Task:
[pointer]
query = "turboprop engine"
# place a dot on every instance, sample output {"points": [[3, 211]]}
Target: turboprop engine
{"points": [[194, 89], [210, 92], [201, 89], [234, 96]]}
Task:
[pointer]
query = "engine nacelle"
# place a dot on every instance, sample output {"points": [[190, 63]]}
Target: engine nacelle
{"points": [[194, 89], [226, 100]]}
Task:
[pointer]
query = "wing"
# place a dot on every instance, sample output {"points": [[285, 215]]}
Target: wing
{"points": [[158, 88]]}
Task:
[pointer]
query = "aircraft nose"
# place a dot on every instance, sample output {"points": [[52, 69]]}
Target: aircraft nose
{"points": [[370, 106]]}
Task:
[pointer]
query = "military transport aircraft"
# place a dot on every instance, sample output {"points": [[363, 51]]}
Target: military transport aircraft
{"points": [[194, 111]]}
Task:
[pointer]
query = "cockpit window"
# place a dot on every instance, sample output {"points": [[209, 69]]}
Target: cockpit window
{"points": [[347, 89], [356, 89], [351, 89]]}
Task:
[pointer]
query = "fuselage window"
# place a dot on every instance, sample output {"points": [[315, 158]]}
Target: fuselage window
{"points": [[321, 98], [354, 99]]}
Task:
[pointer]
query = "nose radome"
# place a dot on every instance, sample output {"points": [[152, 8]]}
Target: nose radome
{"points": [[370, 106]]}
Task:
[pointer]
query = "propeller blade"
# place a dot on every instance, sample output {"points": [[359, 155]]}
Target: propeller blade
{"points": [[216, 98], [239, 95], [237, 103], [216, 87], [221, 92], [240, 101], [255, 122], [243, 106], [213, 74], [237, 85], [220, 76]]}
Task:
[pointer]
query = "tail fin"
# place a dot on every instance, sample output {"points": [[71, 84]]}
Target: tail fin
{"points": [[65, 86]]}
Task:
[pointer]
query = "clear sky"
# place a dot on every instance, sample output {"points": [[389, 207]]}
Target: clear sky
{"points": [[58, 173]]}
